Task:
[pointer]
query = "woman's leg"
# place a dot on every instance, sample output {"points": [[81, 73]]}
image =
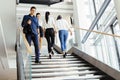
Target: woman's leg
{"points": [[47, 36], [40, 40], [61, 39], [52, 40], [41, 37], [65, 39], [52, 35]]}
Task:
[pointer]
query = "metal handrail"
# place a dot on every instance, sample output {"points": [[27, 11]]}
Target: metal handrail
{"points": [[103, 33]]}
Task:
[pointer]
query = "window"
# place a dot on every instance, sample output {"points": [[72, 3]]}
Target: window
{"points": [[107, 47]]}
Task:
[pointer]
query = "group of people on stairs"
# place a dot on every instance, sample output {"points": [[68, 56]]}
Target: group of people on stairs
{"points": [[35, 29]]}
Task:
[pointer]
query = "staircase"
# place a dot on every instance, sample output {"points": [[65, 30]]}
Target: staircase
{"points": [[69, 68]]}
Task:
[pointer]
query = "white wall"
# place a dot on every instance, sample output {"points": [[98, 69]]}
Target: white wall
{"points": [[8, 19]]}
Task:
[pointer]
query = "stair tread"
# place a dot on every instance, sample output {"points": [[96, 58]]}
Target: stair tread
{"points": [[62, 62], [56, 65], [62, 73], [92, 77], [56, 60], [54, 55], [61, 69]]}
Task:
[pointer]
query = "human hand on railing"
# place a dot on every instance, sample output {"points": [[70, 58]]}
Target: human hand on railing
{"points": [[71, 33], [55, 32]]}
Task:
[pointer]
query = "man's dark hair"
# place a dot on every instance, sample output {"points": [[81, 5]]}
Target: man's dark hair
{"points": [[33, 7], [37, 14]]}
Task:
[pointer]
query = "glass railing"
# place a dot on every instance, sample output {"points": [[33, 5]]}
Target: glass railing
{"points": [[103, 46], [103, 43], [23, 57]]}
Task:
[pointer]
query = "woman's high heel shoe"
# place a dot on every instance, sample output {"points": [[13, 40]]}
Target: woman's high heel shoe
{"points": [[64, 56], [50, 56]]}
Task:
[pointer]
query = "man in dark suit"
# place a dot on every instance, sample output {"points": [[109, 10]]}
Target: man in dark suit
{"points": [[30, 28]]}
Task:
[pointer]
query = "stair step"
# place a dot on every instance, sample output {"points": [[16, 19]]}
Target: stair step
{"points": [[60, 62], [55, 56], [56, 65], [61, 69], [55, 74], [58, 59], [92, 77]]}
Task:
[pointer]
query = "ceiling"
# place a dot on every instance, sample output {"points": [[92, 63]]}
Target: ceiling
{"points": [[44, 2], [62, 7]]}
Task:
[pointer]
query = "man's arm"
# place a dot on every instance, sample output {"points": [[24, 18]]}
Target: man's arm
{"points": [[23, 21], [38, 25]]}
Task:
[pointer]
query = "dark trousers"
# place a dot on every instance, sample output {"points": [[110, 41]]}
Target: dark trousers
{"points": [[34, 38], [41, 31], [50, 36]]}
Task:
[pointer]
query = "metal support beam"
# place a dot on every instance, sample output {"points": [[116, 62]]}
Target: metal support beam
{"points": [[95, 21]]}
